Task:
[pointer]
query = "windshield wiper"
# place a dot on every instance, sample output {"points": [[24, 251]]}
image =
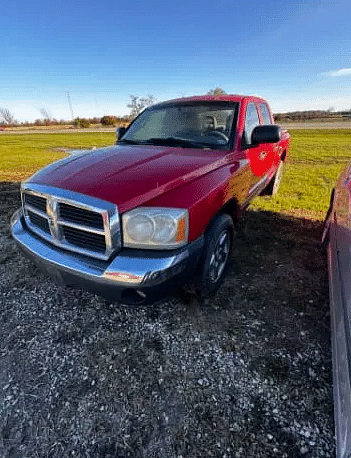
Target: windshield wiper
{"points": [[174, 141], [131, 142]]}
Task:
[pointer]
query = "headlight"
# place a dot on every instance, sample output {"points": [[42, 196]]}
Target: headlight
{"points": [[157, 228]]}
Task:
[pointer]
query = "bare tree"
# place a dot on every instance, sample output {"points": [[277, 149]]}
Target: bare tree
{"points": [[137, 104], [46, 114], [7, 116], [217, 91]]}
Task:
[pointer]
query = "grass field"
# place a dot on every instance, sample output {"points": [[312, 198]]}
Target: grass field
{"points": [[316, 159]]}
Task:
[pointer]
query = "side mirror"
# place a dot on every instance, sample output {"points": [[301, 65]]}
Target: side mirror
{"points": [[266, 134], [120, 132]]}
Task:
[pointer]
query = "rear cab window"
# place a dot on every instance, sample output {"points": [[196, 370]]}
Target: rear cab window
{"points": [[265, 114]]}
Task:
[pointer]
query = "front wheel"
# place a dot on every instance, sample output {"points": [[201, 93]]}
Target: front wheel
{"points": [[215, 262]]}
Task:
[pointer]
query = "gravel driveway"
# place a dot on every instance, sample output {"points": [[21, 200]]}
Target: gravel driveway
{"points": [[247, 374]]}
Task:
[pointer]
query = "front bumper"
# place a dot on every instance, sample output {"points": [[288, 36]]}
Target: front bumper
{"points": [[132, 276]]}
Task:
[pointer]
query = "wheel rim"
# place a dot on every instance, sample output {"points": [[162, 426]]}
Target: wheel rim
{"points": [[219, 256]]}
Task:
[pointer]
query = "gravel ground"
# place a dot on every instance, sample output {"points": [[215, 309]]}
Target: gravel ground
{"points": [[247, 374]]}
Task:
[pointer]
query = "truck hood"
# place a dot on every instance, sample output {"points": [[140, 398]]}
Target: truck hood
{"points": [[129, 175]]}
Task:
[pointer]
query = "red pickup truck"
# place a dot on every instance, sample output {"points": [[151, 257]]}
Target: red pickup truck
{"points": [[137, 219]]}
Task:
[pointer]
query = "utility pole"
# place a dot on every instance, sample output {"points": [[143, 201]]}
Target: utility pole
{"points": [[70, 104]]}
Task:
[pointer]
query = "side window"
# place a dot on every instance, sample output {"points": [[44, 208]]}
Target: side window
{"points": [[251, 121], [265, 114]]}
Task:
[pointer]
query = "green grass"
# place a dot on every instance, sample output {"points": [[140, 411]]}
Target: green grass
{"points": [[316, 159], [23, 154]]}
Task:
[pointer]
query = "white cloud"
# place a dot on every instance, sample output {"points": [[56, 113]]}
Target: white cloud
{"points": [[341, 72]]}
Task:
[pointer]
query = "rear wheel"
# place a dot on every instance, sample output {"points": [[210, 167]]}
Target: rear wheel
{"points": [[273, 185], [215, 262]]}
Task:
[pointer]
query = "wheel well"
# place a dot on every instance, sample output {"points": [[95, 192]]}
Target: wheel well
{"points": [[232, 208]]}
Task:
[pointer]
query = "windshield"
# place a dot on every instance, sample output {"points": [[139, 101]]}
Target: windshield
{"points": [[198, 124]]}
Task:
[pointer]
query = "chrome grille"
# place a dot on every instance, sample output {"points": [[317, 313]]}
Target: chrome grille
{"points": [[72, 221], [37, 202], [39, 221], [80, 216], [83, 239]]}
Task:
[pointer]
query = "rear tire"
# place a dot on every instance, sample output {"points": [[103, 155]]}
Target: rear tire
{"points": [[272, 188], [215, 261]]}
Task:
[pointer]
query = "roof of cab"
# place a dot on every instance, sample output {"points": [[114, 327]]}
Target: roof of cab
{"points": [[214, 98]]}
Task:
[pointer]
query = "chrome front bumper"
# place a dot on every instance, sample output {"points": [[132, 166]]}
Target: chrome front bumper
{"points": [[131, 276]]}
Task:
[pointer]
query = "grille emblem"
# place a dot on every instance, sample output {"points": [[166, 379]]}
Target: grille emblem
{"points": [[51, 210]]}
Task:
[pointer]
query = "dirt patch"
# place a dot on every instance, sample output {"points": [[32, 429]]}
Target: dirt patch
{"points": [[247, 374]]}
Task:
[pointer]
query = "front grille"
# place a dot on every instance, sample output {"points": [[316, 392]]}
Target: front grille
{"points": [[82, 239], [39, 221], [86, 225], [80, 216], [36, 202]]}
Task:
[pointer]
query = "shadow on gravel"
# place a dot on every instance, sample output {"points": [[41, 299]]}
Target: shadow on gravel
{"points": [[246, 374]]}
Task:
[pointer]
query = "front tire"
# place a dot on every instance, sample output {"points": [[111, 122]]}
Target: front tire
{"points": [[215, 262]]}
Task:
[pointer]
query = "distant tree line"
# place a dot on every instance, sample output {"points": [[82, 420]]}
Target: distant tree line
{"points": [[107, 120], [138, 104], [77, 122], [313, 114]]}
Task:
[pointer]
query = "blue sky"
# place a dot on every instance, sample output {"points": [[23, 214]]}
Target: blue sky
{"points": [[296, 54]]}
